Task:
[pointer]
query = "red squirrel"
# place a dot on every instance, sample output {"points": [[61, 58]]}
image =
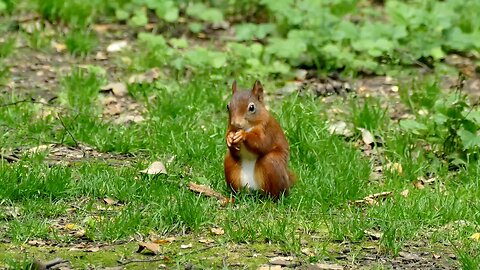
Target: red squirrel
{"points": [[258, 151]]}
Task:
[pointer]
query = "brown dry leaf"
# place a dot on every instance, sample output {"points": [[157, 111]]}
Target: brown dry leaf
{"points": [[205, 190], [148, 247], [373, 234], [164, 241], [186, 246], [269, 267], [119, 89], [217, 231], [147, 77], [110, 201], [92, 249], [475, 236], [327, 266], [100, 56], [225, 201], [282, 261], [436, 256], [419, 184], [340, 128], [205, 241], [36, 243], [53, 264], [117, 46], [80, 233], [101, 28], [129, 118], [372, 199], [307, 252], [40, 148], [59, 47], [405, 193], [367, 136], [156, 167]]}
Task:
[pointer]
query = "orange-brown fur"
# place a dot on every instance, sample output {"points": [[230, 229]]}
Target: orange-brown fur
{"points": [[261, 135]]}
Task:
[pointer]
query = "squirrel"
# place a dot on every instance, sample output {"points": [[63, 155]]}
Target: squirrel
{"points": [[258, 151]]}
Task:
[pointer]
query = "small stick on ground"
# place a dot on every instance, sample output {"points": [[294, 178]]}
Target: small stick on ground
{"points": [[38, 265], [140, 261]]}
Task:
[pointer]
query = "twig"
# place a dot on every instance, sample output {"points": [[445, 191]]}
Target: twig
{"points": [[24, 101], [47, 265], [9, 158], [140, 261], [69, 133]]}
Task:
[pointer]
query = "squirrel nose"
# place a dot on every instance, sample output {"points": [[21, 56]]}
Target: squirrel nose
{"points": [[237, 124]]}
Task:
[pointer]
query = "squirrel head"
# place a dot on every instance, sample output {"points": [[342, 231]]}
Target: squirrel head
{"points": [[246, 108]]}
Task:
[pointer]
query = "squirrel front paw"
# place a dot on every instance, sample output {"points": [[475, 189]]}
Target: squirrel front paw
{"points": [[235, 139]]}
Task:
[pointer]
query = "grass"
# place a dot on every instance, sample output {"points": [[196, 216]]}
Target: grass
{"points": [[185, 123]]}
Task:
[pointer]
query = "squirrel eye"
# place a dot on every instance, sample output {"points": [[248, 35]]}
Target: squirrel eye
{"points": [[251, 107]]}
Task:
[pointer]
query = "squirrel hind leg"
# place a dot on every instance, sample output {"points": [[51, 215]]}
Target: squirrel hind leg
{"points": [[274, 174], [232, 173]]}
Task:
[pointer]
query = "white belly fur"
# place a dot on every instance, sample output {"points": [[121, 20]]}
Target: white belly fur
{"points": [[247, 172]]}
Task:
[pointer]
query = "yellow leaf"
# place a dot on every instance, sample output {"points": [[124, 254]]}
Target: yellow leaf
{"points": [[70, 226], [475, 236]]}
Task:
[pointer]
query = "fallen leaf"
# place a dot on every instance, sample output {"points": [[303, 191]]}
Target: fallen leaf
{"points": [[269, 267], [395, 167], [282, 261], [307, 252], [373, 235], [405, 193], [59, 47], [436, 256], [101, 28], [129, 118], [150, 247], [301, 74], [475, 236], [419, 184], [36, 243], [367, 136], [409, 256], [156, 167], [147, 77], [53, 264], [119, 89], [225, 201], [80, 233], [40, 148], [186, 246], [326, 266], [117, 46], [92, 249], [71, 226], [164, 241], [340, 128], [100, 56], [110, 201], [205, 241], [113, 109], [217, 231], [372, 199], [205, 190]]}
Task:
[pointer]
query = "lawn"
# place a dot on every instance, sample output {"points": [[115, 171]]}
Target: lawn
{"points": [[378, 100]]}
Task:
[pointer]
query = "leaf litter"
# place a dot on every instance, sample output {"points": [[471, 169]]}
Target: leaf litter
{"points": [[155, 168]]}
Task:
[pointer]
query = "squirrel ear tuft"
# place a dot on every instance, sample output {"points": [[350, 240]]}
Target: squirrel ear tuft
{"points": [[257, 90], [234, 86]]}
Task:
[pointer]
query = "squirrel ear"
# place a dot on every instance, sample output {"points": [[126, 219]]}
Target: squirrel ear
{"points": [[234, 86], [257, 90]]}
